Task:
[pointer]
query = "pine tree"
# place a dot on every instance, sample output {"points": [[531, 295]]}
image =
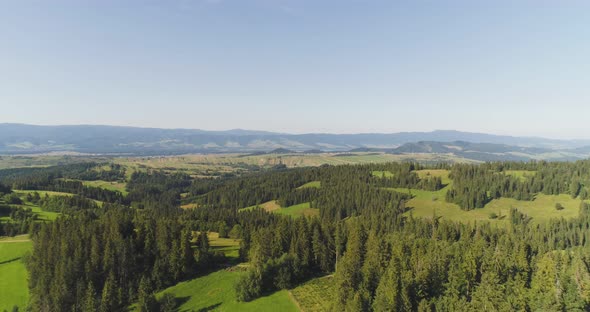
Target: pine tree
{"points": [[392, 294], [108, 300], [146, 301], [90, 303]]}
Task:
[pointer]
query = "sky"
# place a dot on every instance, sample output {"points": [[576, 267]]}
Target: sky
{"points": [[298, 66]]}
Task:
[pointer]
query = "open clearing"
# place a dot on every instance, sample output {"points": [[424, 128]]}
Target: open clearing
{"points": [[269, 206], [13, 274], [426, 204], [42, 215], [314, 184], [523, 175], [442, 173], [111, 186], [313, 296], [215, 292], [189, 206], [23, 193], [229, 246], [298, 210]]}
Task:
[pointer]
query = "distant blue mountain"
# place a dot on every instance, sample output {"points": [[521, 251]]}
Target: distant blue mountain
{"points": [[23, 139]]}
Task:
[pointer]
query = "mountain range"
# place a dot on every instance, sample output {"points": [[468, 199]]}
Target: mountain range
{"points": [[96, 139]]}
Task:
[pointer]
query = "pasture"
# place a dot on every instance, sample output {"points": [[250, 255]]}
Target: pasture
{"points": [[426, 204], [298, 210], [442, 173], [107, 185], [215, 292], [13, 274]]}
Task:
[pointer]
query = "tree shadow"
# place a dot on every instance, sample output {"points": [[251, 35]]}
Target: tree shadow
{"points": [[406, 209], [210, 308]]}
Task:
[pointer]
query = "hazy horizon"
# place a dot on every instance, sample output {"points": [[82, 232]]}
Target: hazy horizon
{"points": [[301, 133], [288, 66]]}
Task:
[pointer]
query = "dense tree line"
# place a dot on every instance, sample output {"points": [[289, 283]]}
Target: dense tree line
{"points": [[64, 204], [428, 265], [157, 191], [257, 188], [88, 171], [103, 262]]}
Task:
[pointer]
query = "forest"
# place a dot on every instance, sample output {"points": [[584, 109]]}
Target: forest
{"points": [[108, 251]]}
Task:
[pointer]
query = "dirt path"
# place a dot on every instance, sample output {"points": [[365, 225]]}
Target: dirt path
{"points": [[15, 239]]}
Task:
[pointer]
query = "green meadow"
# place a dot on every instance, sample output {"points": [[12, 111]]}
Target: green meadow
{"points": [[111, 186], [298, 210], [14, 290], [425, 204], [215, 292], [521, 174], [230, 247]]}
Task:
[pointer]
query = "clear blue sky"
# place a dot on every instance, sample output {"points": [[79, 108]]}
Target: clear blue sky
{"points": [[507, 67]]}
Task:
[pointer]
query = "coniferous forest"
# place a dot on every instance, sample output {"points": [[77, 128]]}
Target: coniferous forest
{"points": [[109, 250]]}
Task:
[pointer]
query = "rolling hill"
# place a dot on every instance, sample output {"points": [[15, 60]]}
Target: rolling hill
{"points": [[91, 139]]}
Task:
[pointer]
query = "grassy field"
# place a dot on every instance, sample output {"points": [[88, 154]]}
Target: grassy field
{"points": [[442, 173], [426, 204], [13, 274], [41, 214], [315, 184], [269, 206], [299, 210], [189, 206], [523, 175], [541, 209], [312, 295], [229, 246], [111, 186], [23, 193], [215, 292]]}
